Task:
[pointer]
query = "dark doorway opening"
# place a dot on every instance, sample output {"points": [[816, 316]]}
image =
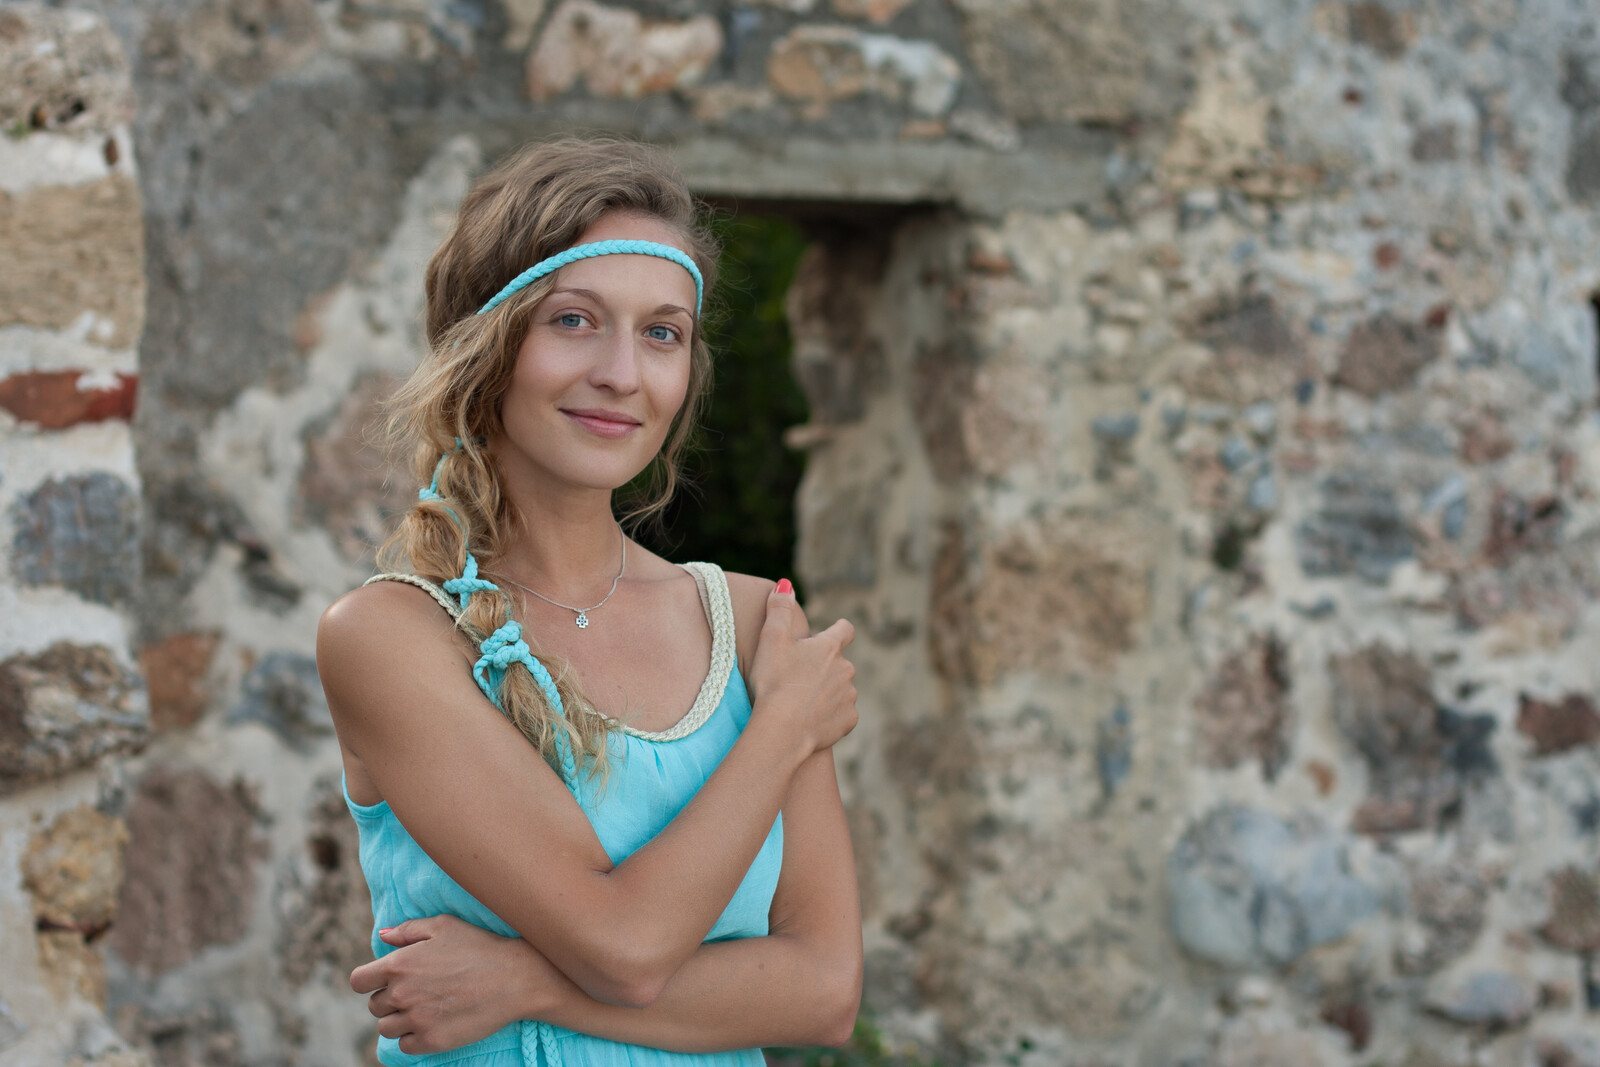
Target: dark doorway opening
{"points": [[736, 505]]}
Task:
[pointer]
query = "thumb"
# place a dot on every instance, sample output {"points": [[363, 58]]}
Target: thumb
{"points": [[784, 611]]}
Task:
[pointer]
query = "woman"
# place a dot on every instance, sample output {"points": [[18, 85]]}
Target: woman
{"points": [[629, 890]]}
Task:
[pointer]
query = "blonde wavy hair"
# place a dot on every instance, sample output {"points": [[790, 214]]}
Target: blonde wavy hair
{"points": [[530, 207]]}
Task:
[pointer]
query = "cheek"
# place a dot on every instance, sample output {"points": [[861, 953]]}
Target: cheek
{"points": [[673, 390]]}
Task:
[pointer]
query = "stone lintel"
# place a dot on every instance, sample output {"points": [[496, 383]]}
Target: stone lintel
{"points": [[978, 181], [1069, 172]]}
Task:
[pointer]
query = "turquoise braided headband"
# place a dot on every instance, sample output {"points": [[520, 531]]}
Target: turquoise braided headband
{"points": [[601, 248]]}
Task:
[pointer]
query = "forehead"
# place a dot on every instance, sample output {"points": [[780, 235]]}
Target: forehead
{"points": [[650, 277]]}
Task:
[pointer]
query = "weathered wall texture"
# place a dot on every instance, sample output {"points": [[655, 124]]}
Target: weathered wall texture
{"points": [[1203, 439]]}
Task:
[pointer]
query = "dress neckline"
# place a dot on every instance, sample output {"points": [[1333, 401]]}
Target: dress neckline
{"points": [[718, 606]]}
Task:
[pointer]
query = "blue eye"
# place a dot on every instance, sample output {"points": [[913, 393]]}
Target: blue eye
{"points": [[571, 320], [662, 333]]}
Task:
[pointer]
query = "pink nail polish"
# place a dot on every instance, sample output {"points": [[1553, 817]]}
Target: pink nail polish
{"points": [[784, 586], [385, 930]]}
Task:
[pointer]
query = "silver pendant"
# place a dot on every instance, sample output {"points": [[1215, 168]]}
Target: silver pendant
{"points": [[583, 621]]}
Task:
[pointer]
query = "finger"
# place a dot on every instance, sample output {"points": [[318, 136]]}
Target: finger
{"points": [[382, 1003], [369, 977], [395, 1024], [407, 933], [842, 631]]}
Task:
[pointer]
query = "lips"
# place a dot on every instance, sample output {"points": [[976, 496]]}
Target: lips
{"points": [[601, 422]]}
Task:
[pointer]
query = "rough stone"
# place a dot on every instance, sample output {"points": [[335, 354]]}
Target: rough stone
{"points": [[1484, 998], [1249, 889], [243, 42], [1434, 144], [1518, 526], [1385, 354], [65, 708], [73, 869], [190, 877], [1358, 529], [878, 11], [816, 65], [204, 1031], [239, 248], [350, 485], [284, 693], [617, 54], [837, 360], [1113, 749], [1380, 28], [942, 384], [65, 70], [1254, 351], [1221, 138], [1078, 61], [327, 909], [1094, 989], [1583, 160], [1419, 754], [1556, 726], [55, 400], [1574, 923], [1484, 439], [71, 250], [1551, 362], [1567, 1050], [1450, 902], [1244, 712], [175, 672], [1053, 598], [80, 532], [842, 543], [1551, 590], [71, 965], [1262, 1040]]}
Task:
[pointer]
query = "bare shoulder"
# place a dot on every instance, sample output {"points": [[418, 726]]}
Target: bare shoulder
{"points": [[749, 595], [386, 622]]}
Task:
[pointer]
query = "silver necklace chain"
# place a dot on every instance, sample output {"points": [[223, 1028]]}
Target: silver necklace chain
{"points": [[583, 613]]}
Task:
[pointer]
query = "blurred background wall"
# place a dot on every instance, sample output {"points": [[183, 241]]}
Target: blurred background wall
{"points": [[1201, 434]]}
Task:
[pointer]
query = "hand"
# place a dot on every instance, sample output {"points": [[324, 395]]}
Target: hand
{"points": [[451, 983], [804, 676]]}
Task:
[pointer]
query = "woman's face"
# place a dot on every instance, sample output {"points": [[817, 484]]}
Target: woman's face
{"points": [[604, 367]]}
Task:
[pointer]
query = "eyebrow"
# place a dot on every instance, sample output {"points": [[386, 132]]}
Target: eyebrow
{"points": [[663, 309]]}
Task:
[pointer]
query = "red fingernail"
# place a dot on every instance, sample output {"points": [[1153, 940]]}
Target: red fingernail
{"points": [[784, 586], [385, 930]]}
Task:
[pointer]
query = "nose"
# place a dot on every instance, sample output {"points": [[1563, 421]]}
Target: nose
{"points": [[617, 367]]}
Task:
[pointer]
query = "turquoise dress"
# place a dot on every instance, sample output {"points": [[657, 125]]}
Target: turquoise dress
{"points": [[653, 775]]}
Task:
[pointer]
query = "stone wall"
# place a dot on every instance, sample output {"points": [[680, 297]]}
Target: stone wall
{"points": [[1203, 439]]}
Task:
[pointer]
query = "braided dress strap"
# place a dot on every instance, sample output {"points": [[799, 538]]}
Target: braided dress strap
{"points": [[718, 605], [446, 601]]}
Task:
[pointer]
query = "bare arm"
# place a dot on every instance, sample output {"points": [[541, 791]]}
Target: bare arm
{"points": [[492, 814], [801, 985]]}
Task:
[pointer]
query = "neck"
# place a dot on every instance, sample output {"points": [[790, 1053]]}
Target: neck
{"points": [[568, 546]]}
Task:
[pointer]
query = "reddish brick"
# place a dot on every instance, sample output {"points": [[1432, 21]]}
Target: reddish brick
{"points": [[191, 868], [1556, 726], [174, 674], [54, 399]]}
